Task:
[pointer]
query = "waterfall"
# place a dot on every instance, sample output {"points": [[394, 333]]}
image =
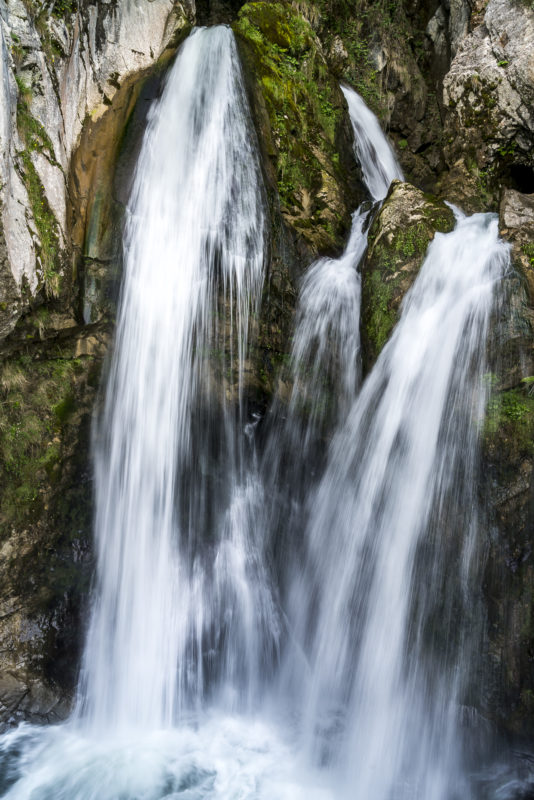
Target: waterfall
{"points": [[391, 534], [324, 368], [177, 583], [290, 624], [372, 149], [325, 355]]}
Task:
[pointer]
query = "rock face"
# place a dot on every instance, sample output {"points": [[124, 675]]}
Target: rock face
{"points": [[46, 398], [488, 95], [301, 115], [57, 71], [508, 483], [398, 240]]}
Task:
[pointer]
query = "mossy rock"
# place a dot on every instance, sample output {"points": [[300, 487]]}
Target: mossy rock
{"points": [[398, 241], [507, 480], [47, 394], [508, 486], [301, 119]]}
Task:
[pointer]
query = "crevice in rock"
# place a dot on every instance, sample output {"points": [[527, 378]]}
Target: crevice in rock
{"points": [[217, 12], [522, 178]]}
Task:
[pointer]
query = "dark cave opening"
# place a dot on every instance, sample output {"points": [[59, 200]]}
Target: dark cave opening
{"points": [[522, 178], [217, 12]]}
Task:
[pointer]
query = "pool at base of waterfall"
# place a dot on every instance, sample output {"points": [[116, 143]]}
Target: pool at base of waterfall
{"points": [[216, 757], [222, 758]]}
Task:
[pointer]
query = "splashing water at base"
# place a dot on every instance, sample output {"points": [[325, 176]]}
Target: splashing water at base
{"points": [[219, 757]]}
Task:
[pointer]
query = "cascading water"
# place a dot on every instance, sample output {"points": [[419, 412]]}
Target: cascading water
{"points": [[180, 697], [324, 369], [392, 523], [177, 566], [372, 149]]}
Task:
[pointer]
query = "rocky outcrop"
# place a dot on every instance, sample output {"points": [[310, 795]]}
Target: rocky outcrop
{"points": [[60, 69], [380, 51], [488, 95], [47, 393], [302, 122], [398, 241]]}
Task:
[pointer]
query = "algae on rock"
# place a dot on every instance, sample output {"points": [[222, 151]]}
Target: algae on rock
{"points": [[398, 240], [302, 120]]}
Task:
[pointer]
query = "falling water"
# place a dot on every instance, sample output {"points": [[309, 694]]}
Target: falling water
{"points": [[185, 692], [326, 345], [372, 149], [391, 536], [324, 368], [178, 582]]}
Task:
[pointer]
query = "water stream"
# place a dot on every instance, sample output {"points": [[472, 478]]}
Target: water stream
{"points": [[340, 668]]}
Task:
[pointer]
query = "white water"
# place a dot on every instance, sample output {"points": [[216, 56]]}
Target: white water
{"points": [[325, 356], [372, 149], [386, 653], [180, 696], [177, 572]]}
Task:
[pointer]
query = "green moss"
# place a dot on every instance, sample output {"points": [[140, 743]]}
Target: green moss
{"points": [[304, 109], [46, 225], [37, 399], [381, 317], [36, 139], [411, 242], [363, 26], [528, 250], [510, 420], [398, 242]]}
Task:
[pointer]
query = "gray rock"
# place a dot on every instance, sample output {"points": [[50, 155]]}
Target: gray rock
{"points": [[76, 79], [489, 93]]}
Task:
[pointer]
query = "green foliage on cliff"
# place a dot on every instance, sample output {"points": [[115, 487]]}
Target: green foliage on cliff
{"points": [[357, 27], [304, 108], [36, 139], [510, 420], [398, 241], [37, 398]]}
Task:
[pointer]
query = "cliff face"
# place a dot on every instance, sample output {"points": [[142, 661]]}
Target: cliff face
{"points": [[453, 82], [60, 70]]}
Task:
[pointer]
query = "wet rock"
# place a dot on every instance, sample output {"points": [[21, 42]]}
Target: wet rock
{"points": [[302, 120], [507, 474], [398, 241], [46, 401]]}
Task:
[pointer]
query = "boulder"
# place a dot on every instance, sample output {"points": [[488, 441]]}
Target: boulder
{"points": [[398, 240]]}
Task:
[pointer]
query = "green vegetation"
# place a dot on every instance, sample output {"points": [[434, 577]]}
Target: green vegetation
{"points": [[37, 399], [528, 250], [362, 26], [397, 247], [381, 315], [304, 109], [36, 139], [510, 417]]}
